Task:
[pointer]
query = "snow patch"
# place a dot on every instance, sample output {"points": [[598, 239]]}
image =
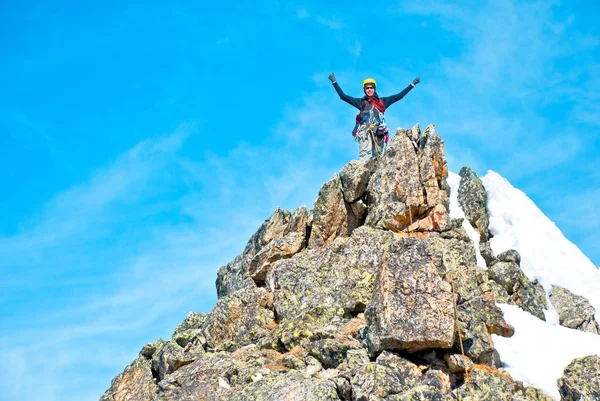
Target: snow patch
{"points": [[538, 352]]}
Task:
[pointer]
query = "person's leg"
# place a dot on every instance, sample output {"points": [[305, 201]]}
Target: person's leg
{"points": [[364, 144]]}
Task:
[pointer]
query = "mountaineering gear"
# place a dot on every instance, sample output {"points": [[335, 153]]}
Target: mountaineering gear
{"points": [[371, 130], [369, 81], [386, 101], [368, 145]]}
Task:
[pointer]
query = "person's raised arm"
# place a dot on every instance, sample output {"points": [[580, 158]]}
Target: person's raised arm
{"points": [[389, 100], [354, 101]]}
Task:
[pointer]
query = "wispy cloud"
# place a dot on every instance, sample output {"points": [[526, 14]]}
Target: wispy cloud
{"points": [[142, 239]]}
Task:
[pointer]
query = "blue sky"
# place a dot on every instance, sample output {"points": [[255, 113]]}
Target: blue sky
{"points": [[141, 146]]}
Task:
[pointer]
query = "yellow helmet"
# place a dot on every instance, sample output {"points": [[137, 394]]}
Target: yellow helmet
{"points": [[369, 81]]}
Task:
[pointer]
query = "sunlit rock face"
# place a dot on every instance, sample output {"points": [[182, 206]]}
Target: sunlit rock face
{"points": [[373, 294]]}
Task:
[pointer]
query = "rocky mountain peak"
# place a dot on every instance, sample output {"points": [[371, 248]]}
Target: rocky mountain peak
{"points": [[373, 294]]}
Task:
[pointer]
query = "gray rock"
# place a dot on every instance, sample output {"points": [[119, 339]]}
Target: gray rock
{"points": [[136, 383], [472, 198], [171, 356], [574, 311], [412, 307], [332, 352], [190, 330], [581, 380], [232, 277], [241, 317], [408, 190], [278, 249], [291, 386], [510, 256], [356, 358], [528, 295], [339, 276], [458, 363], [354, 179], [332, 217]]}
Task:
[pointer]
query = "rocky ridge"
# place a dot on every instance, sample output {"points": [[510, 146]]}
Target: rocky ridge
{"points": [[374, 294]]}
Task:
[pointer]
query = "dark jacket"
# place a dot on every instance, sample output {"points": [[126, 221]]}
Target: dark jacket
{"points": [[356, 101]]}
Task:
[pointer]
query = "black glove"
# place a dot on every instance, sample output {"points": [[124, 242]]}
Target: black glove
{"points": [[332, 78], [416, 81]]}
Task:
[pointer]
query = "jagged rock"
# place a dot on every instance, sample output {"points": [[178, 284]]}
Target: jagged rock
{"points": [[408, 190], [458, 363], [376, 266], [291, 386], [200, 380], [171, 356], [339, 276], [343, 387], [485, 384], [355, 358], [510, 256], [278, 249], [190, 330], [574, 311], [241, 317], [136, 383], [193, 320], [231, 277], [313, 325], [528, 295], [374, 380], [433, 168], [332, 217], [393, 377], [412, 307], [472, 198], [331, 352], [359, 210], [354, 178], [581, 380], [485, 249]]}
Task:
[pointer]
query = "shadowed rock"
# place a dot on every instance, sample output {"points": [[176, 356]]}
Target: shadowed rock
{"points": [[332, 218], [513, 287], [574, 311], [472, 198], [581, 380]]}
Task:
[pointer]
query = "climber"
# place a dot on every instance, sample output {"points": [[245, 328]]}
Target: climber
{"points": [[371, 131]]}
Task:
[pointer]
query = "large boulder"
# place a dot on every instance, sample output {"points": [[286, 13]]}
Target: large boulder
{"points": [[581, 380], [338, 276], [278, 249], [574, 311], [412, 307], [408, 190]]}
